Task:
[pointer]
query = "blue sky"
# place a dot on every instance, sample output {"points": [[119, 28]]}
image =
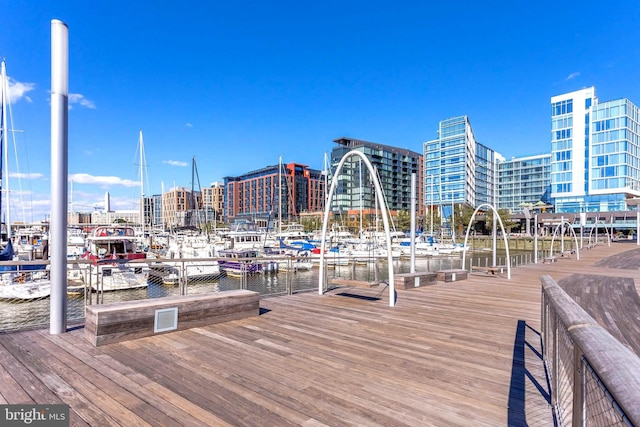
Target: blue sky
{"points": [[239, 84]]}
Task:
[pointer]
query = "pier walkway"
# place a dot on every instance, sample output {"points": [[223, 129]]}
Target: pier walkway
{"points": [[456, 353]]}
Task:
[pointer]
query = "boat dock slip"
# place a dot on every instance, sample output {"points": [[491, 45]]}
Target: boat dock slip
{"points": [[450, 354]]}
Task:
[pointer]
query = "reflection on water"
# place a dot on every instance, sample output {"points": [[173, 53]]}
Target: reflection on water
{"points": [[36, 313]]}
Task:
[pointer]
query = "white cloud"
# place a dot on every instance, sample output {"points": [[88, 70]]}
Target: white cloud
{"points": [[83, 178], [25, 175], [76, 98], [189, 125], [572, 76], [18, 90], [175, 163]]}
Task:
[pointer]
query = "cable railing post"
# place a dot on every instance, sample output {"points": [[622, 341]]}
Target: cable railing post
{"points": [[554, 360], [579, 407]]}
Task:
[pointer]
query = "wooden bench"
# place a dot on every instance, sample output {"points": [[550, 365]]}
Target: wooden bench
{"points": [[408, 280], [338, 281], [451, 275], [496, 269], [121, 321]]}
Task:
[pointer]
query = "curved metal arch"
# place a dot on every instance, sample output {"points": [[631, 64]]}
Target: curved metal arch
{"points": [[575, 238], [606, 230], [504, 236], [385, 220]]}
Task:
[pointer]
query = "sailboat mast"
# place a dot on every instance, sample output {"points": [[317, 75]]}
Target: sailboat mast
{"points": [[280, 196], [326, 177], [3, 126], [142, 216], [361, 191], [431, 207], [4, 185], [195, 201], [193, 194]]}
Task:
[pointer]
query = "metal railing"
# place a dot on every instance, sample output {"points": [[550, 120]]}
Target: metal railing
{"points": [[595, 380], [281, 275]]}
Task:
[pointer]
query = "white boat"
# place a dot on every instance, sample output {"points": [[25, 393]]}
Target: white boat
{"points": [[288, 232], [239, 262], [112, 250], [197, 259], [171, 279], [25, 286], [244, 235], [29, 242], [427, 245], [296, 262]]}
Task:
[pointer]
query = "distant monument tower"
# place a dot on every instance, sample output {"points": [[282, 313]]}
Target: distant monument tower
{"points": [[107, 202]]}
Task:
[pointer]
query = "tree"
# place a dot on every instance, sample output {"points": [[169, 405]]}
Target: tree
{"points": [[404, 220], [505, 217], [463, 217]]}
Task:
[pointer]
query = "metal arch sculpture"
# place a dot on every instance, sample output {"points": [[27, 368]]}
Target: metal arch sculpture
{"points": [[504, 235], [606, 231], [575, 238], [385, 220]]}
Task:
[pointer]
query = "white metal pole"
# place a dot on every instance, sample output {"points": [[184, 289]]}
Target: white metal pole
{"points": [[59, 172], [494, 236], [5, 148], [142, 216], [412, 268], [535, 239], [561, 229]]}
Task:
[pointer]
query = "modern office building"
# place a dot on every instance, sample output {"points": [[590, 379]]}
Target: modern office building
{"points": [[213, 200], [275, 192], [524, 182], [394, 167], [458, 169], [487, 164], [157, 211], [180, 207], [595, 158]]}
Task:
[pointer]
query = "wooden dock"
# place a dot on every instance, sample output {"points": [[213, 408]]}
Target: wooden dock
{"points": [[457, 353]]}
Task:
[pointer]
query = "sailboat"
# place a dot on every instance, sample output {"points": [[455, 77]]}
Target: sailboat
{"points": [[25, 281]]}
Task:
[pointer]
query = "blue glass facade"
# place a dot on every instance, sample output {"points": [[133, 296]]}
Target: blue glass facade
{"points": [[458, 169], [595, 155], [524, 181], [394, 167]]}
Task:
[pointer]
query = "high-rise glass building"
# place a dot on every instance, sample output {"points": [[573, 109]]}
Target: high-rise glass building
{"points": [[458, 169], [595, 152], [487, 163], [394, 167], [524, 181]]}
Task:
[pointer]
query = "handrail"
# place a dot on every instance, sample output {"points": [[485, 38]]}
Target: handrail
{"points": [[593, 350]]}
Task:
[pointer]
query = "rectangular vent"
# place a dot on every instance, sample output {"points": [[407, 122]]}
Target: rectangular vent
{"points": [[166, 319]]}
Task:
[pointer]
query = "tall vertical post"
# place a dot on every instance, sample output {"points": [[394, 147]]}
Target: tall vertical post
{"points": [[561, 230], [412, 229], [59, 172], [535, 239], [638, 226], [494, 237]]}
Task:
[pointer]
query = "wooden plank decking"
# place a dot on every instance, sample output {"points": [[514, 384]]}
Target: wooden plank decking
{"points": [[457, 353]]}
